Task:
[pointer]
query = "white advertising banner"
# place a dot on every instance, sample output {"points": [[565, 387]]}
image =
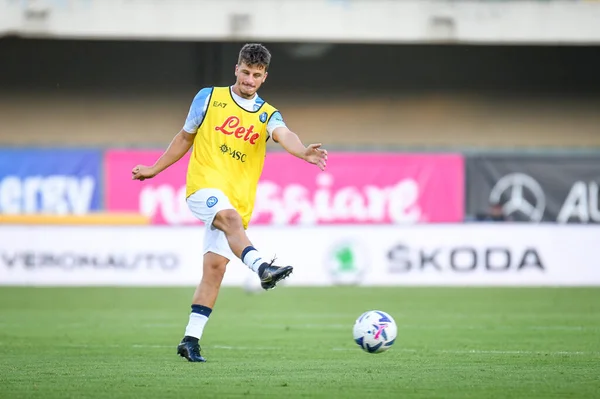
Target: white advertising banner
{"points": [[436, 255]]}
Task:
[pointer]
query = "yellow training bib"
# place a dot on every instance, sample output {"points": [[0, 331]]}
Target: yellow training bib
{"points": [[229, 151]]}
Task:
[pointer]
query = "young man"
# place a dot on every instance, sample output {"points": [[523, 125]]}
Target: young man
{"points": [[228, 128]]}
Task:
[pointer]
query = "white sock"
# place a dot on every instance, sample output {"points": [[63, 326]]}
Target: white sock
{"points": [[195, 326], [253, 260]]}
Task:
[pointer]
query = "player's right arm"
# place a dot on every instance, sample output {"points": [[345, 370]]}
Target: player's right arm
{"points": [[179, 146], [181, 143]]}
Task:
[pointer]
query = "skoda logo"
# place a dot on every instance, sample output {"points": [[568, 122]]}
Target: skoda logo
{"points": [[521, 193], [347, 261]]}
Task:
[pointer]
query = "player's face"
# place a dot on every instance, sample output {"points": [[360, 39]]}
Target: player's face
{"points": [[249, 78]]}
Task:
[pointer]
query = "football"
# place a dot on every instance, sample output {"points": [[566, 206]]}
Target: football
{"points": [[375, 331]]}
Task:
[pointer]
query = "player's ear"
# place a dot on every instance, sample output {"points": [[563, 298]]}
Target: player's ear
{"points": [[265, 77], [237, 67]]}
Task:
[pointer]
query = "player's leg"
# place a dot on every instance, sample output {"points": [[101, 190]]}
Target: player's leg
{"points": [[214, 208], [213, 271], [216, 255], [204, 297], [230, 222]]}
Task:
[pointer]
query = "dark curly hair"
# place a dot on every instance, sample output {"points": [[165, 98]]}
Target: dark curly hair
{"points": [[255, 54]]}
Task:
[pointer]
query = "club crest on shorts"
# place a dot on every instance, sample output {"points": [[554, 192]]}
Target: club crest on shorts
{"points": [[263, 117], [211, 201]]}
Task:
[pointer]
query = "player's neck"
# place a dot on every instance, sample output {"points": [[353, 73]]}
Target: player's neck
{"points": [[235, 89]]}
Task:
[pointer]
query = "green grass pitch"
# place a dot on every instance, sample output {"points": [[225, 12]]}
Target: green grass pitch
{"points": [[297, 342]]}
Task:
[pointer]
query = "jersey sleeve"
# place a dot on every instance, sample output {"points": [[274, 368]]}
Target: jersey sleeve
{"points": [[197, 110], [275, 122]]}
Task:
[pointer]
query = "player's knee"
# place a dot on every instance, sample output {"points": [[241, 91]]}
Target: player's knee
{"points": [[218, 270], [215, 270], [228, 220]]}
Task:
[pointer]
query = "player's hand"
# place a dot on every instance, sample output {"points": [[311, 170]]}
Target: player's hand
{"points": [[142, 173], [315, 155]]}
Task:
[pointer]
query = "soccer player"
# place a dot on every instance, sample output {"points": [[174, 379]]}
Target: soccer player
{"points": [[228, 128]]}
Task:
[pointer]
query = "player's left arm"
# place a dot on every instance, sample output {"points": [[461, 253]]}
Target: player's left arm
{"points": [[290, 141]]}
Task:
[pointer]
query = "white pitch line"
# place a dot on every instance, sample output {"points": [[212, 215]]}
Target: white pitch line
{"points": [[396, 349], [307, 325], [488, 352], [435, 327], [260, 348], [162, 325], [497, 352], [433, 315]]}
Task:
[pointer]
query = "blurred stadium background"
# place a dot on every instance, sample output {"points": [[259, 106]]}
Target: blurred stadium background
{"points": [[464, 141]]}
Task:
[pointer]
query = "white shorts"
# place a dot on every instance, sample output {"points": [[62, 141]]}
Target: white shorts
{"points": [[205, 204]]}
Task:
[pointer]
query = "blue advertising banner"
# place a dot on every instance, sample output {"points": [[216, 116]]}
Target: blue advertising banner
{"points": [[61, 181]]}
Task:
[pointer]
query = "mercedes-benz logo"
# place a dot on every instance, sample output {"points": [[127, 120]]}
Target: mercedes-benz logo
{"points": [[515, 188]]}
